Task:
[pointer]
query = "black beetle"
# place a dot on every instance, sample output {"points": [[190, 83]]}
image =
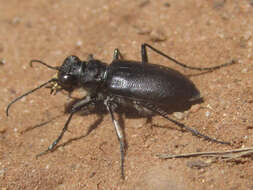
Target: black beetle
{"points": [[144, 86]]}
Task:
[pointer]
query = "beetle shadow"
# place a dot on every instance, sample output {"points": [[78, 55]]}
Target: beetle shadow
{"points": [[130, 111], [90, 129], [40, 124], [100, 110], [83, 112], [93, 126]]}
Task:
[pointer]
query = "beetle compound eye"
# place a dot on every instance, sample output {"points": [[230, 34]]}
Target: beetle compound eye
{"points": [[66, 80]]}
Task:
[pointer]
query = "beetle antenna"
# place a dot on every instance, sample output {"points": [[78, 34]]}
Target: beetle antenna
{"points": [[29, 92], [41, 62]]}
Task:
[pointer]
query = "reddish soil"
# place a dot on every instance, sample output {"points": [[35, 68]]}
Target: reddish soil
{"points": [[197, 33]]}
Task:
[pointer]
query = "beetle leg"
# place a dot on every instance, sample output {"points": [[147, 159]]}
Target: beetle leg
{"points": [[119, 134], [117, 55], [145, 59], [90, 57], [75, 108], [181, 125], [144, 55]]}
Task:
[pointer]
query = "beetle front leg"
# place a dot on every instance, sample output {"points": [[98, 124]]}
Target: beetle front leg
{"points": [[75, 108], [120, 135], [52, 146]]}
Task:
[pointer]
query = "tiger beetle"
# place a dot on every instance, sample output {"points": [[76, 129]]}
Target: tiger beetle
{"points": [[137, 84]]}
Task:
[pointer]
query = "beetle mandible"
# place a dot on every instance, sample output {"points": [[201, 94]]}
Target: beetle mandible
{"points": [[141, 85]]}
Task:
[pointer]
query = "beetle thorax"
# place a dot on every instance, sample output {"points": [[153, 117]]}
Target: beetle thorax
{"points": [[93, 75]]}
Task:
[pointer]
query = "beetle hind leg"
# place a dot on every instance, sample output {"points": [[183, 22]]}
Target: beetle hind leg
{"points": [[181, 125], [145, 59], [144, 55]]}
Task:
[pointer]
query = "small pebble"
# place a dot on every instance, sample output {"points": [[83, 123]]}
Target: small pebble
{"points": [[157, 36], [197, 164], [16, 20], [247, 35], [144, 3], [207, 114], [79, 43], [245, 70], [218, 4], [178, 115], [2, 172], [2, 62], [167, 4], [195, 108], [2, 129], [142, 30]]}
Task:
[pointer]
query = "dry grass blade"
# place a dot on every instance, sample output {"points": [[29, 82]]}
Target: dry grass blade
{"points": [[229, 154]]}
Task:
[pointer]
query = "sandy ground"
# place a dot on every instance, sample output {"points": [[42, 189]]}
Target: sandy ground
{"points": [[198, 33]]}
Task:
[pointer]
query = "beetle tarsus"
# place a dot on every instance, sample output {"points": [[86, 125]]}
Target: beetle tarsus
{"points": [[64, 129]]}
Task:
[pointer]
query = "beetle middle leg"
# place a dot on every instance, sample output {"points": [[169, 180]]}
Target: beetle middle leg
{"points": [[75, 108], [181, 125], [109, 103], [144, 55]]}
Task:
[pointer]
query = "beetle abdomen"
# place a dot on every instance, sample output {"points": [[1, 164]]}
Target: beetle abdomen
{"points": [[148, 82]]}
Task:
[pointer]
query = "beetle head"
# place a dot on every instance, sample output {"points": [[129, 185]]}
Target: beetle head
{"points": [[67, 78], [69, 73]]}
